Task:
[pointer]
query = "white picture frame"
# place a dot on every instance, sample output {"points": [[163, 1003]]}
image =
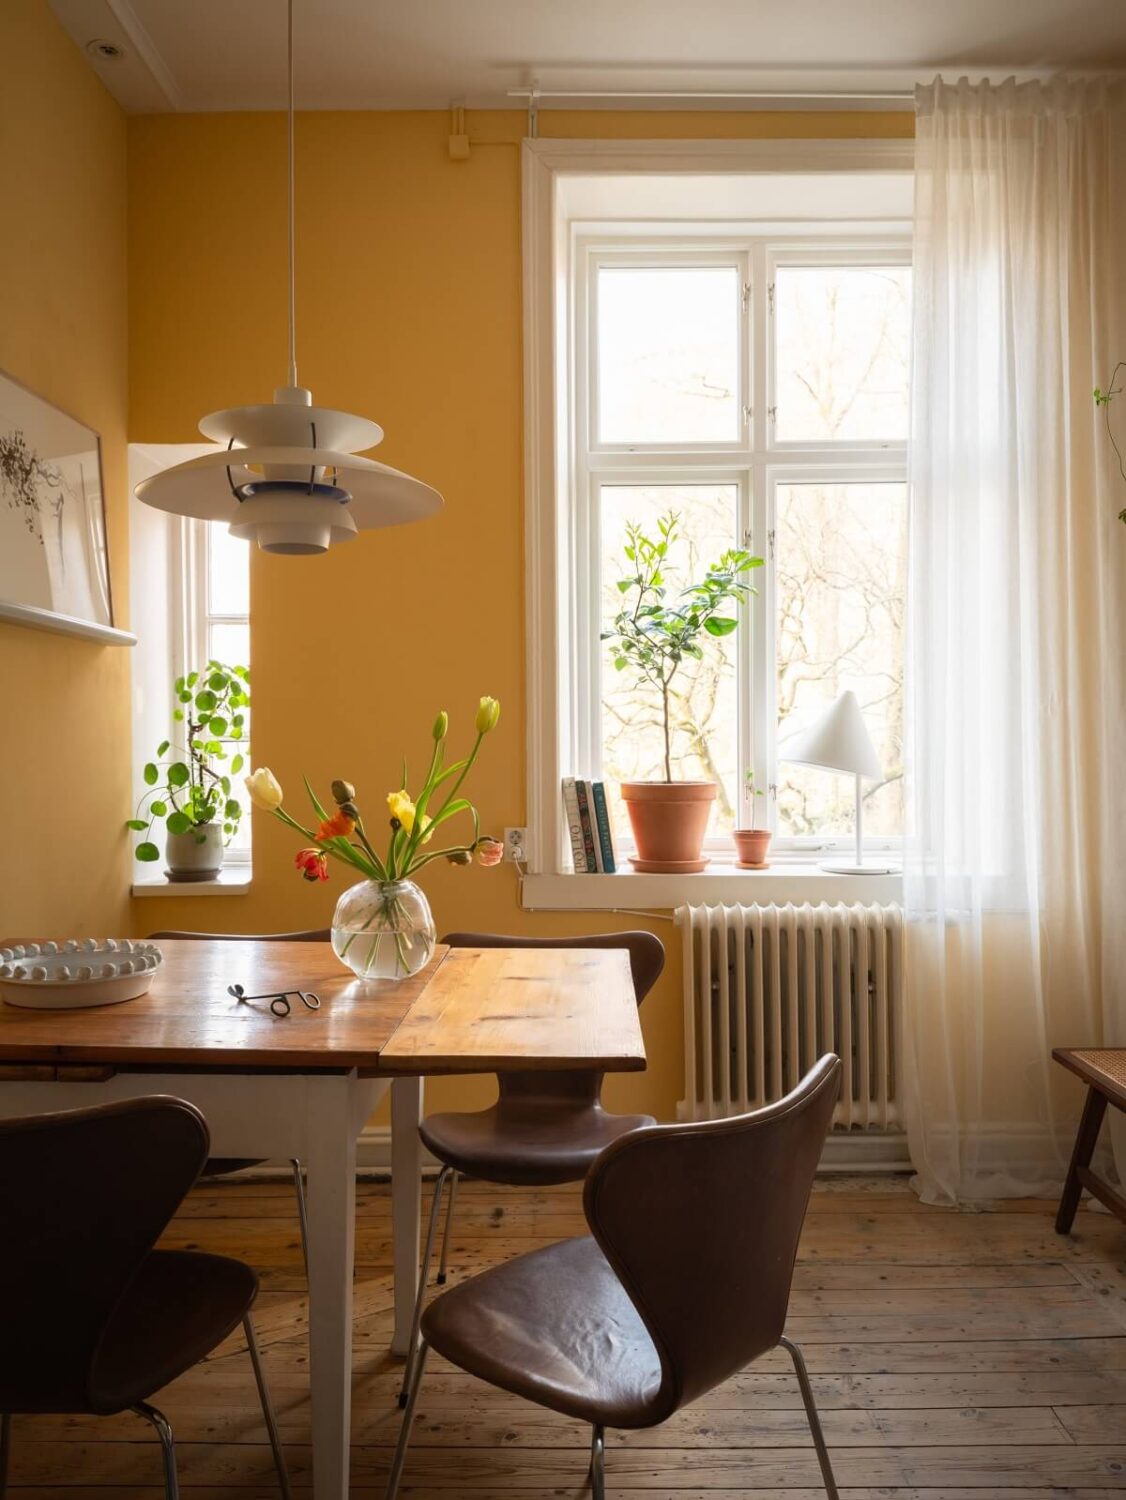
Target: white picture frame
{"points": [[54, 565]]}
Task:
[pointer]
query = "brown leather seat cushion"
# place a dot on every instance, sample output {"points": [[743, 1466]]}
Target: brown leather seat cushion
{"points": [[527, 1144], [177, 1308], [557, 1327]]}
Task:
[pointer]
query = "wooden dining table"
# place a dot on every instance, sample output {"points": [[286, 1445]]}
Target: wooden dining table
{"points": [[304, 1084]]}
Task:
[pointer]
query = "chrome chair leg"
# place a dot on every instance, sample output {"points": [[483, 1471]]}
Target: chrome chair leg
{"points": [[302, 1211], [167, 1447], [267, 1408], [408, 1417], [454, 1179], [5, 1450], [428, 1251], [598, 1463], [814, 1420]]}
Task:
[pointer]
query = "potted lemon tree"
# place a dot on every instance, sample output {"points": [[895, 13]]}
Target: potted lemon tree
{"points": [[652, 636]]}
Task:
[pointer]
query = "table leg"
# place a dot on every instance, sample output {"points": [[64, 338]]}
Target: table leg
{"points": [[406, 1202], [1088, 1134], [330, 1160]]}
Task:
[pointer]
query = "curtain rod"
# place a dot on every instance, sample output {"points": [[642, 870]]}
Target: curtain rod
{"points": [[534, 93]]}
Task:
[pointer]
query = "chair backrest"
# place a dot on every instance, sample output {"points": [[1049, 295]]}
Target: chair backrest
{"points": [[84, 1196], [701, 1224], [316, 935], [646, 961]]}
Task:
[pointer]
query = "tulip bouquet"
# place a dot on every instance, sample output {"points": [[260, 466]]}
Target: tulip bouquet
{"points": [[382, 926]]}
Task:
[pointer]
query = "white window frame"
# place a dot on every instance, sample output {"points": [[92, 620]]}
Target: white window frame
{"points": [[559, 613], [192, 617]]}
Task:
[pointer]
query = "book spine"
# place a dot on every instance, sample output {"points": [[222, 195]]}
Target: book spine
{"points": [[595, 837], [587, 824], [574, 824], [605, 832]]}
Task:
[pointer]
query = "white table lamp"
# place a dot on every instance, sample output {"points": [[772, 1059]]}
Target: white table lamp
{"points": [[839, 741]]}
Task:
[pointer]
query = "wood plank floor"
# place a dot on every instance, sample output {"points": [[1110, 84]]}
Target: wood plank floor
{"points": [[953, 1356]]}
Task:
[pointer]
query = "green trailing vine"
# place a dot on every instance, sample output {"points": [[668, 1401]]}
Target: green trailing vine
{"points": [[1103, 399]]}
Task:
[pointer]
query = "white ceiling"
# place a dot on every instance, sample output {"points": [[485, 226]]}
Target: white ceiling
{"points": [[427, 54]]}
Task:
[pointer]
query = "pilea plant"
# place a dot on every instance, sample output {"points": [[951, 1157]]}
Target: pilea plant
{"points": [[188, 784]]}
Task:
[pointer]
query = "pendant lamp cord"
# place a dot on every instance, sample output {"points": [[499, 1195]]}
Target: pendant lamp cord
{"points": [[292, 257]]}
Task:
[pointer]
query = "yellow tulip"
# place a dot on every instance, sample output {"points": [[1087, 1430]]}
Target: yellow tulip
{"points": [[401, 808], [263, 789], [441, 726], [487, 715]]}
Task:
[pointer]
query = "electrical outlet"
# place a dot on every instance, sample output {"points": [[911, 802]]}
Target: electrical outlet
{"points": [[515, 845]]}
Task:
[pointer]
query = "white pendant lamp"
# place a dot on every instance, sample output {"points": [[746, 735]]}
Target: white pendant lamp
{"points": [[289, 476], [839, 741]]}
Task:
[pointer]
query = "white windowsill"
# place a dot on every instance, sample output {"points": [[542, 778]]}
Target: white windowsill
{"points": [[779, 883], [232, 881]]}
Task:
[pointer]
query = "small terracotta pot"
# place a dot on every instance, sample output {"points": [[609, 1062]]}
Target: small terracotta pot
{"points": [[752, 846], [669, 820]]}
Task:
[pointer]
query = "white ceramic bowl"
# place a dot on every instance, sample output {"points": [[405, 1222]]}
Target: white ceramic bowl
{"points": [[77, 973]]}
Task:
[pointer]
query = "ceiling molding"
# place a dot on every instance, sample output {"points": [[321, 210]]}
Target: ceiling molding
{"points": [[139, 79], [144, 48]]}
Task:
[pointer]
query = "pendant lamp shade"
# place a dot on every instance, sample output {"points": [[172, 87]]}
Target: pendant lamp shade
{"points": [[289, 479], [288, 475], [838, 741]]}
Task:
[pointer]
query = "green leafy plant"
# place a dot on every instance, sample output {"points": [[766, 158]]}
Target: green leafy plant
{"points": [[190, 787], [652, 634], [753, 793], [1103, 399]]}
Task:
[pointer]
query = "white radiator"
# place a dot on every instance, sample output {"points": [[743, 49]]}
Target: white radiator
{"points": [[768, 989]]}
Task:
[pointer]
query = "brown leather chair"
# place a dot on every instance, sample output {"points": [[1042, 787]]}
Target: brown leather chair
{"points": [[545, 1127], [221, 1166], [684, 1280], [95, 1319]]}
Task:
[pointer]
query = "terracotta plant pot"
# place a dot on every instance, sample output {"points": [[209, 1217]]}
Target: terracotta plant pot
{"points": [[751, 846], [669, 820]]}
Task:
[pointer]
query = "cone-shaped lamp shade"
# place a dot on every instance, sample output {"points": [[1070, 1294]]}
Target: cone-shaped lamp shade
{"points": [[838, 741]]}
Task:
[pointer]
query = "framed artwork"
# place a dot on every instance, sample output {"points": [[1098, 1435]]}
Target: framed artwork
{"points": [[54, 569]]}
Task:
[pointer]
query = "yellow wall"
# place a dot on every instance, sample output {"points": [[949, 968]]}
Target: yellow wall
{"points": [[64, 712], [409, 311]]}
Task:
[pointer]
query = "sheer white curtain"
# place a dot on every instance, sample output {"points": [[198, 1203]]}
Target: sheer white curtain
{"points": [[1016, 691]]}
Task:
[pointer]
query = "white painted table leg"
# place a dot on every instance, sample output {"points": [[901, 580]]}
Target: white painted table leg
{"points": [[330, 1158], [406, 1202]]}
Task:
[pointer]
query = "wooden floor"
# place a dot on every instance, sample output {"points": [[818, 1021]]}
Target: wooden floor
{"points": [[953, 1355]]}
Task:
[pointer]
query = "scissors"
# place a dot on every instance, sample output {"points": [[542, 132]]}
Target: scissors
{"points": [[279, 1004]]}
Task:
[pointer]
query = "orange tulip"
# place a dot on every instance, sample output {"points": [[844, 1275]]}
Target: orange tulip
{"points": [[339, 826]]}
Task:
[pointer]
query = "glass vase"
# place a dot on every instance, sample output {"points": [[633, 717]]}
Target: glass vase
{"points": [[383, 930]]}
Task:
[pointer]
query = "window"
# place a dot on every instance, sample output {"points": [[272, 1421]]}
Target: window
{"points": [[757, 389], [215, 625]]}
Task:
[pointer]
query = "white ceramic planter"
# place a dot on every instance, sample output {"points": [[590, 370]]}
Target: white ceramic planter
{"points": [[192, 857]]}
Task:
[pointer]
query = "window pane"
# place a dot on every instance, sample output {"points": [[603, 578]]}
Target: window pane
{"points": [[841, 563], [228, 573], [668, 354], [841, 353], [702, 693], [229, 643]]}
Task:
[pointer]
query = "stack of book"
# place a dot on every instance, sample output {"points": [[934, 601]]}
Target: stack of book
{"points": [[588, 822]]}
